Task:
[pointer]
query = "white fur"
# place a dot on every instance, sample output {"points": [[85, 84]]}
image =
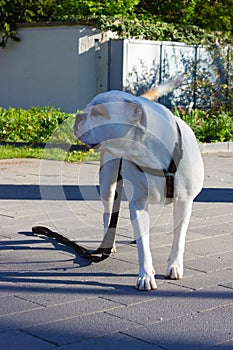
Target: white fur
{"points": [[144, 133]]}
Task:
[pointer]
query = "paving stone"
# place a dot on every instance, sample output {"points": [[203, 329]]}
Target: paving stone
{"points": [[57, 313], [212, 263], [20, 340], [226, 284], [79, 328], [200, 281], [211, 221], [197, 331], [113, 342], [129, 295], [51, 298], [33, 262], [49, 292], [208, 246], [10, 305], [223, 345], [211, 211], [172, 304], [214, 230]]}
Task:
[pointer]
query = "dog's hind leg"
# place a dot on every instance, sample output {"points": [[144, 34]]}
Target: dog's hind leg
{"points": [[182, 213]]}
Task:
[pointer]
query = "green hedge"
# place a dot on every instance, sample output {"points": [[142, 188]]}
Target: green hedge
{"points": [[47, 124], [37, 124], [209, 127]]}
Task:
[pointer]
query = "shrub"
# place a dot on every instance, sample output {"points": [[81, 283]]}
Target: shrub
{"points": [[47, 124], [34, 125], [152, 29], [209, 126]]}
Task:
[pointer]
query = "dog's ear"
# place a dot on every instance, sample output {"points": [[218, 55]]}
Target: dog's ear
{"points": [[100, 110], [138, 115]]}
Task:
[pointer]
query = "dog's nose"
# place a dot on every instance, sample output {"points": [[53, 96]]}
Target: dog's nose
{"points": [[79, 124], [80, 121]]}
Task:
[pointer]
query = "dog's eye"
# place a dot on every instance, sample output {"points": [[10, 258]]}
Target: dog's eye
{"points": [[100, 110], [81, 117]]}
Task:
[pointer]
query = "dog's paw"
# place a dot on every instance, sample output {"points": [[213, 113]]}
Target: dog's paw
{"points": [[146, 282], [174, 270], [113, 250]]}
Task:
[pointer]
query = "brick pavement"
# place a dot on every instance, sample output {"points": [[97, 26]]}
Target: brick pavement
{"points": [[52, 299]]}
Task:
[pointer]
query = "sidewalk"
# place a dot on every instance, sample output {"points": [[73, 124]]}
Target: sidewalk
{"points": [[52, 299]]}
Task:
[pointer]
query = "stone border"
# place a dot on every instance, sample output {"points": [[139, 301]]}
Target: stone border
{"points": [[204, 147], [63, 146], [216, 147]]}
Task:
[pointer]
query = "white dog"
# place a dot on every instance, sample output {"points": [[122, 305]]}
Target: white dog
{"points": [[145, 135]]}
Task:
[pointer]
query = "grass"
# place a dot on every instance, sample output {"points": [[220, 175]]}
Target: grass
{"points": [[50, 125], [40, 125], [10, 152]]}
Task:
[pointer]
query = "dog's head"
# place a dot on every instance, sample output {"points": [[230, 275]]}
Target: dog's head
{"points": [[108, 116]]}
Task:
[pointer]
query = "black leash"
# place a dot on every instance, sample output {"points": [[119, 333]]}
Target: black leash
{"points": [[105, 248]]}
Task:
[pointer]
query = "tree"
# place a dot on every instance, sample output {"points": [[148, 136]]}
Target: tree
{"points": [[170, 11], [21, 11], [94, 8], [142, 15], [13, 12], [215, 15]]}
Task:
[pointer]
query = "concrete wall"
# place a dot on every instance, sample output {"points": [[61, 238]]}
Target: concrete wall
{"points": [[66, 66], [50, 66]]}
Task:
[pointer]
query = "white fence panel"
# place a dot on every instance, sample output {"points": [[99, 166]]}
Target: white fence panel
{"points": [[66, 66]]}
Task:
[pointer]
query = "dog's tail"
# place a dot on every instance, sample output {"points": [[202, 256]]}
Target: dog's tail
{"points": [[162, 89]]}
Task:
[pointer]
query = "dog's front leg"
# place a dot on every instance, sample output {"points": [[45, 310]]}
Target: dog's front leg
{"points": [[140, 220], [182, 213], [108, 180]]}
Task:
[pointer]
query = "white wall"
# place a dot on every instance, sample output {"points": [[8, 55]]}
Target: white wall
{"points": [[62, 66], [50, 66]]}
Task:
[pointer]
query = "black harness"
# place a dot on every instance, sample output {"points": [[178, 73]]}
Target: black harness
{"points": [[169, 173], [105, 248]]}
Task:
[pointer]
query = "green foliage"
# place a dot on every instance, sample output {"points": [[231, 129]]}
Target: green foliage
{"points": [[215, 122], [9, 152], [179, 11], [213, 83], [46, 124], [207, 14], [83, 8], [13, 12], [214, 15], [209, 126], [40, 125], [181, 20], [151, 29], [34, 125], [78, 156]]}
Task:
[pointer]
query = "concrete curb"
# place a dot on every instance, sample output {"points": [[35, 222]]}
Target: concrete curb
{"points": [[216, 147], [204, 147]]}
